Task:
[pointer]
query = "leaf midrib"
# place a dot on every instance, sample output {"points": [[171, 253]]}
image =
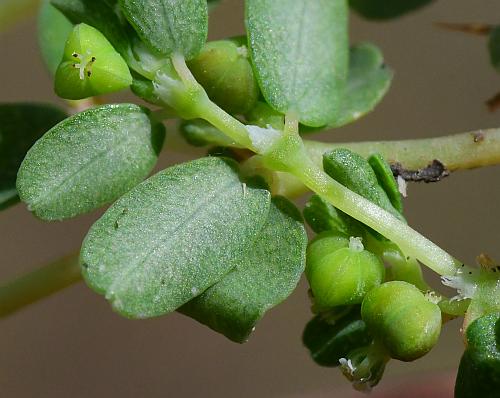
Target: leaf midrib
{"points": [[173, 234], [53, 191]]}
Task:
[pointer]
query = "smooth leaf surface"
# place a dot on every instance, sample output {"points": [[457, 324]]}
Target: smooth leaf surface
{"points": [[172, 237], [169, 26], [299, 50], [386, 9], [367, 83], [53, 30], [263, 278], [21, 124], [89, 160]]}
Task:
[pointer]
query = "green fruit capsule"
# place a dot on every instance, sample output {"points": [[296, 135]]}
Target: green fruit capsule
{"points": [[344, 276], [224, 70], [90, 66], [402, 319], [322, 245]]}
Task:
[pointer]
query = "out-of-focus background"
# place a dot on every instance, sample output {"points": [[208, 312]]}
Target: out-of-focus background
{"points": [[73, 345]]}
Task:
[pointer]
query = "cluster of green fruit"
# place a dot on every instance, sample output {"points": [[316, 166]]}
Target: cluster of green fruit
{"points": [[364, 317]]}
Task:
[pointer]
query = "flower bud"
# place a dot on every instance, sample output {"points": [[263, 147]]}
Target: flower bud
{"points": [[224, 70], [90, 66], [344, 276], [400, 316]]}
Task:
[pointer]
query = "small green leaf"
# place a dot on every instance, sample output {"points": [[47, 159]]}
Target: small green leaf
{"points": [[300, 53], [263, 278], [386, 180], [90, 66], [20, 126], [89, 160], [479, 371], [367, 83], [53, 29], [330, 340], [354, 172], [172, 237], [494, 47], [322, 216], [198, 132], [169, 26], [386, 9], [102, 15]]}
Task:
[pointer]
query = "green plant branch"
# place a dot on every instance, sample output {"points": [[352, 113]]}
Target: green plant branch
{"points": [[457, 152], [39, 284], [285, 152]]}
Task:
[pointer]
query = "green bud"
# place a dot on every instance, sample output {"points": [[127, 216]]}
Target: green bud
{"points": [[330, 340], [479, 371], [90, 66], [224, 70], [344, 276], [402, 318]]}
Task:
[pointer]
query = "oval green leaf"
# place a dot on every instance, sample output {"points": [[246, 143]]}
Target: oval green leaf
{"points": [[368, 81], [263, 277], [89, 160], [299, 49], [169, 26], [172, 237], [20, 126], [386, 9]]}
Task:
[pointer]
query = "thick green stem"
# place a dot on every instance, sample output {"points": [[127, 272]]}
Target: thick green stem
{"points": [[291, 156], [39, 284], [459, 151]]}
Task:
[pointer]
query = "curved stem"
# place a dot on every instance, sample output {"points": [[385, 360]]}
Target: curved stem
{"points": [[39, 284]]}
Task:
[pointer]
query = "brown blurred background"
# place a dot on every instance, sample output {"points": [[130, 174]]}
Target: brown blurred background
{"points": [[73, 345]]}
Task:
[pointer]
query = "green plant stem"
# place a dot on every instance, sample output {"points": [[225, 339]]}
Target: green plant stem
{"points": [[39, 284], [458, 151], [286, 152]]}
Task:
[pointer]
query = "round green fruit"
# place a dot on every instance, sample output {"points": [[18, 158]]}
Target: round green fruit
{"points": [[224, 70], [400, 316], [343, 276]]}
